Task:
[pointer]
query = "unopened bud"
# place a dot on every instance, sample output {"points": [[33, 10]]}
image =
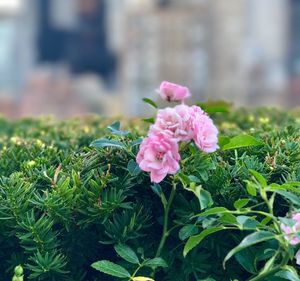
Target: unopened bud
{"points": [[19, 270]]}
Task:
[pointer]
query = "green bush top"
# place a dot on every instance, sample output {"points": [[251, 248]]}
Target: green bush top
{"points": [[65, 205]]}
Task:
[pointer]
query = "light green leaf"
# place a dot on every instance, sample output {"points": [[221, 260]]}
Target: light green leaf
{"points": [[242, 141], [194, 179], [223, 140], [111, 268], [213, 211], [251, 188], [101, 143], [205, 199], [185, 180], [203, 195], [195, 240], [247, 222], [259, 177], [150, 120], [156, 262], [126, 253], [239, 204], [150, 102], [248, 241], [228, 218]]}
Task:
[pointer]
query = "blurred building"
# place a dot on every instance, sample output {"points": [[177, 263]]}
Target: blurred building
{"points": [[105, 55]]}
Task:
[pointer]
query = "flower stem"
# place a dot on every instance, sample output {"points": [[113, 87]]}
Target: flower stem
{"points": [[272, 271], [166, 232]]}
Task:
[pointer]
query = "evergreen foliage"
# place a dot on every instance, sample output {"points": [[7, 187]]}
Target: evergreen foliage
{"points": [[65, 205]]}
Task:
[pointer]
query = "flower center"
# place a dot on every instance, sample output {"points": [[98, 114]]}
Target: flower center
{"points": [[159, 156], [168, 94]]}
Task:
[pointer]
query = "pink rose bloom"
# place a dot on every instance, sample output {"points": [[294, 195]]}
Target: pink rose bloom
{"points": [[297, 257], [205, 132], [173, 92], [158, 155], [291, 231], [174, 121], [196, 111]]}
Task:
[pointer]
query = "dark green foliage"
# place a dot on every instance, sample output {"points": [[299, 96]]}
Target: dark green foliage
{"points": [[65, 205]]}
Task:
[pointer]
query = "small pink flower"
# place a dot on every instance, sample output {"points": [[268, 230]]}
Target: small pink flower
{"points": [[291, 231], [297, 257], [173, 92], [205, 132], [174, 121], [158, 155]]}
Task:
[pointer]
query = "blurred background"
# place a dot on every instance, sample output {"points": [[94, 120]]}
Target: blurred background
{"points": [[71, 57]]}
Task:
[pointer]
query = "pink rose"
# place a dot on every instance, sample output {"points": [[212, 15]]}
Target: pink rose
{"points": [[174, 121], [158, 155], [205, 132], [291, 231], [196, 111], [173, 92]]}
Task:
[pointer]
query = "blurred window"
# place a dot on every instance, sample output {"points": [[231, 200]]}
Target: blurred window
{"points": [[74, 32]]}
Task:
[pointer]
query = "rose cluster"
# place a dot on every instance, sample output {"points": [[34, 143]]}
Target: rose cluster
{"points": [[291, 234], [159, 152]]}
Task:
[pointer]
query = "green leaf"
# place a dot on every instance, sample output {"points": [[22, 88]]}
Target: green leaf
{"points": [[156, 262], [133, 168], [251, 188], [150, 120], [111, 268], [239, 204], [150, 102], [259, 177], [203, 195], [228, 218], [246, 259], [223, 140], [287, 221], [246, 222], [215, 106], [248, 241], [156, 188], [205, 199], [213, 211], [242, 141], [194, 179], [289, 196], [101, 143], [115, 129], [195, 240], [187, 231], [185, 180], [136, 142], [126, 253], [288, 275]]}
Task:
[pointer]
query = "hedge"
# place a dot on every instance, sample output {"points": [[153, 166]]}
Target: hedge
{"points": [[68, 208]]}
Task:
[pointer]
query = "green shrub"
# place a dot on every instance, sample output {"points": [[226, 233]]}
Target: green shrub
{"points": [[65, 205]]}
